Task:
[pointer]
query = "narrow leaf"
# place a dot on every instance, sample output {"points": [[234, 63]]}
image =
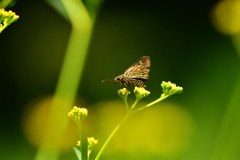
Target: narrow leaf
{"points": [[78, 153]]}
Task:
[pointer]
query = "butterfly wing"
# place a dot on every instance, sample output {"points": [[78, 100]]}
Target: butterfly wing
{"points": [[145, 61], [139, 70]]}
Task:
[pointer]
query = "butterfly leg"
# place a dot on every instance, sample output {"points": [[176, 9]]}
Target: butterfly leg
{"points": [[134, 84], [125, 84], [120, 85]]}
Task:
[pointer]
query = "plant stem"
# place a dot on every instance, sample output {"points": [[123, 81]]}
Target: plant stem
{"points": [[126, 104], [112, 134], [150, 104], [133, 106], [83, 140], [69, 79], [3, 27]]}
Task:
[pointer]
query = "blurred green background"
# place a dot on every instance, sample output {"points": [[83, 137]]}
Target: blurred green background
{"points": [[186, 45]]}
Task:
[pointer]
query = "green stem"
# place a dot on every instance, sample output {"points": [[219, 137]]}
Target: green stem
{"points": [[126, 104], [112, 134], [83, 141], [150, 104], [3, 27], [129, 113], [69, 79], [134, 105]]}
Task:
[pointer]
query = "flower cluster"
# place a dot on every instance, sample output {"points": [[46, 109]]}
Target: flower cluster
{"points": [[140, 92], [92, 142], [6, 18], [78, 114], [123, 93], [170, 88]]}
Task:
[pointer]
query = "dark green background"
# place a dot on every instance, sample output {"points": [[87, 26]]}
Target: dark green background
{"points": [[179, 37]]}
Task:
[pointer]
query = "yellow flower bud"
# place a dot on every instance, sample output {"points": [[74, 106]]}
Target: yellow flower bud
{"points": [[78, 114], [140, 92], [123, 93], [170, 88]]}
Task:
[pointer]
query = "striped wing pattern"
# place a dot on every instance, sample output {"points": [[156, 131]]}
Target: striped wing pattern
{"points": [[139, 70]]}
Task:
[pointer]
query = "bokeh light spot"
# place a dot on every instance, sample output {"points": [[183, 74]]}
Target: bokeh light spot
{"points": [[34, 123], [164, 129], [226, 16]]}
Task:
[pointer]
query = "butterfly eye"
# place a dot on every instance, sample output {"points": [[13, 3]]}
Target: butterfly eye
{"points": [[118, 79]]}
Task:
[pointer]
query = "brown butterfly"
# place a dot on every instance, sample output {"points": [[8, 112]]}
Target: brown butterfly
{"points": [[136, 74]]}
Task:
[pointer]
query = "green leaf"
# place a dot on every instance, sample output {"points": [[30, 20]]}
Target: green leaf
{"points": [[78, 153], [7, 3], [58, 6]]}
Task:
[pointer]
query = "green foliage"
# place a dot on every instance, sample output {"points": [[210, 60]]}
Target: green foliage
{"points": [[7, 3], [78, 153]]}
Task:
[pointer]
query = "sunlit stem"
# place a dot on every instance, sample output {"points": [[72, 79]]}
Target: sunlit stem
{"points": [[112, 135], [69, 78], [152, 103], [126, 104], [134, 105], [83, 140], [129, 113]]}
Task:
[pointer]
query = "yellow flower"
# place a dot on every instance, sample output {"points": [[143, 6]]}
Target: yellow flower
{"points": [[123, 93], [170, 88], [78, 114], [78, 143], [6, 18], [92, 142], [8, 13], [140, 92]]}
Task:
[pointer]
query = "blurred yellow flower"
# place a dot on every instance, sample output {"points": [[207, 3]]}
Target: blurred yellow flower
{"points": [[78, 143], [78, 114], [92, 142]]}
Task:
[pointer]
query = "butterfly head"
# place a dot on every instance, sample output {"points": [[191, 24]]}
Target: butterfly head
{"points": [[117, 79]]}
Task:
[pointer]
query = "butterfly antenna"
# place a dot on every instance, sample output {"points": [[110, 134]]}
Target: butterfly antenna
{"points": [[107, 80]]}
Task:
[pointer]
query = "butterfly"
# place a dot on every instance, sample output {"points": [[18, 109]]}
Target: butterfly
{"points": [[136, 74]]}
